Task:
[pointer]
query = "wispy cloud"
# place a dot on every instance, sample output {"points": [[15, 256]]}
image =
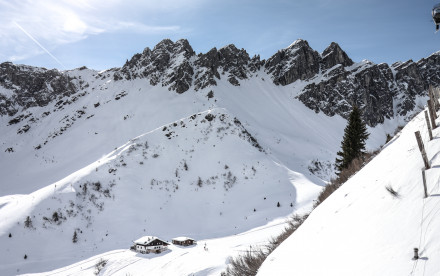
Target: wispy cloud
{"points": [[142, 28], [53, 23]]}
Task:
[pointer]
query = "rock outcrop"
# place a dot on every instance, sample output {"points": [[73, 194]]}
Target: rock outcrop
{"points": [[334, 55], [296, 62], [31, 86], [175, 65], [168, 63]]}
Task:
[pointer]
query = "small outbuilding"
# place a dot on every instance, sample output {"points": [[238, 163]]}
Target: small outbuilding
{"points": [[150, 244], [185, 241]]}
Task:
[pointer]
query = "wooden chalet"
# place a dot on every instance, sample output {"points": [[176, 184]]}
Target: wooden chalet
{"points": [[150, 244], [185, 241]]}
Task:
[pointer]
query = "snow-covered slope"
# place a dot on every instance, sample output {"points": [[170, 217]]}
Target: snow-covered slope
{"points": [[362, 229], [152, 181], [113, 156], [201, 176], [245, 144]]}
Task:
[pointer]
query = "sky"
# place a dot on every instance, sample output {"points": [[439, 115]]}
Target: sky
{"points": [[67, 34]]}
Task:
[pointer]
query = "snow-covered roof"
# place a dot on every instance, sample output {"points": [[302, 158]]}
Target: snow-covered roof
{"points": [[146, 239], [182, 239]]}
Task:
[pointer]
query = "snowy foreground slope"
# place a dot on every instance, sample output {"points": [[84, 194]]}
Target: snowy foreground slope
{"points": [[362, 229]]}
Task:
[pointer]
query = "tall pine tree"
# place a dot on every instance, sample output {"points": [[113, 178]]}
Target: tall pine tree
{"points": [[353, 143]]}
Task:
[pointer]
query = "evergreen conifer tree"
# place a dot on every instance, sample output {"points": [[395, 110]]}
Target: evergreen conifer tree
{"points": [[28, 222], [353, 143], [75, 237]]}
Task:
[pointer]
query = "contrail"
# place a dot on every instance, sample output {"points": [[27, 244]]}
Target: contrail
{"points": [[38, 43]]}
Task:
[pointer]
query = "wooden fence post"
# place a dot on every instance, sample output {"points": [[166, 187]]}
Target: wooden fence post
{"points": [[416, 254], [431, 114], [429, 125], [436, 96], [433, 95], [422, 149], [433, 98], [425, 190]]}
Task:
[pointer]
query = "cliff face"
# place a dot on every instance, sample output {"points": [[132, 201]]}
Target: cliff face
{"points": [[332, 81], [29, 86], [296, 62]]}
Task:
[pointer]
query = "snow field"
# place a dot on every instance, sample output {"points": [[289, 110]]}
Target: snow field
{"points": [[144, 187], [363, 229]]}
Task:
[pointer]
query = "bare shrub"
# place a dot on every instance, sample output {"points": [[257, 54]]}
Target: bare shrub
{"points": [[292, 225], [100, 265], [75, 237], [246, 264], [344, 175], [398, 129], [28, 222], [249, 262]]}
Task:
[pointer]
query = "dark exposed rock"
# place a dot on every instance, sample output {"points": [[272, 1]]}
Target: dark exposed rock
{"points": [[168, 63], [229, 61], [31, 86], [374, 88], [368, 88], [334, 55], [235, 63], [207, 69], [23, 129], [429, 69], [176, 66], [209, 117], [410, 82], [296, 62]]}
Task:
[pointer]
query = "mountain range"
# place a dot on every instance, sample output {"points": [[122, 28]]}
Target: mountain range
{"points": [[177, 143]]}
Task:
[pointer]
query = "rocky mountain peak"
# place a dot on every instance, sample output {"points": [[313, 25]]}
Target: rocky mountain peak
{"points": [[229, 60], [168, 46], [299, 43], [334, 55], [296, 62], [168, 63]]}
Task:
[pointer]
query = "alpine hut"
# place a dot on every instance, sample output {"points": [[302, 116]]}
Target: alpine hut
{"points": [[150, 244]]}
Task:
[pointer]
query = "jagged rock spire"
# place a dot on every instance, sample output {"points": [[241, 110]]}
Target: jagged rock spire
{"points": [[334, 55], [296, 62]]}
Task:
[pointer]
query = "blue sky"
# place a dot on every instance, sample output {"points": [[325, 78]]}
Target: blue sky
{"points": [[100, 34]]}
